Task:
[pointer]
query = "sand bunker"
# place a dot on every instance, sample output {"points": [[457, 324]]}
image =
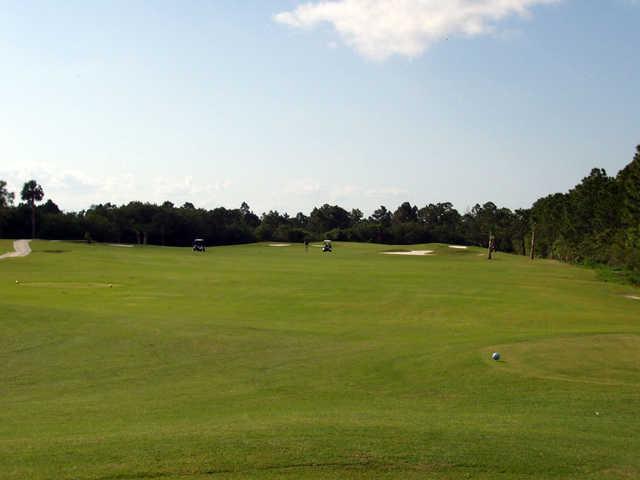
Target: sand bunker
{"points": [[458, 247], [412, 252], [632, 297], [120, 245], [279, 244], [21, 249]]}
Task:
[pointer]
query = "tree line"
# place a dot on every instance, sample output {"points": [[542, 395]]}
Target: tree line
{"points": [[598, 221]]}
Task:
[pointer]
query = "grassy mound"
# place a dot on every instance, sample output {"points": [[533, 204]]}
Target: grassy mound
{"points": [[599, 359]]}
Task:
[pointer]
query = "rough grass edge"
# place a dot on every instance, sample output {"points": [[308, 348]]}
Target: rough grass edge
{"points": [[607, 273]]}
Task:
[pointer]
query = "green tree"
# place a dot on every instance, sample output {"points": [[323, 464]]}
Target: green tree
{"points": [[381, 216], [627, 244], [250, 219], [406, 213], [6, 200], [442, 222], [300, 220], [593, 208], [521, 230], [32, 193], [329, 217], [6, 197], [629, 181], [49, 207], [356, 216], [549, 216]]}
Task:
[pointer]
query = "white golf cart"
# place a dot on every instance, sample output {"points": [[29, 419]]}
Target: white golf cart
{"points": [[327, 247], [198, 245]]}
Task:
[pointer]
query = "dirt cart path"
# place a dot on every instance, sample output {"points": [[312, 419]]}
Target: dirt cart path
{"points": [[21, 249]]}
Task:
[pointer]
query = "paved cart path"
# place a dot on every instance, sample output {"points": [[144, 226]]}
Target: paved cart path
{"points": [[21, 249]]}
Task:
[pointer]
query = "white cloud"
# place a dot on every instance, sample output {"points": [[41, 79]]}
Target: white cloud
{"points": [[338, 192], [307, 193], [308, 187], [378, 29], [74, 190], [387, 192], [187, 188], [358, 193], [302, 186]]}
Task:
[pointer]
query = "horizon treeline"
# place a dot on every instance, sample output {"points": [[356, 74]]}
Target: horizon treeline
{"points": [[598, 222]]}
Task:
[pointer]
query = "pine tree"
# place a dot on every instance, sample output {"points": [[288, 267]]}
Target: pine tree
{"points": [[629, 179]]}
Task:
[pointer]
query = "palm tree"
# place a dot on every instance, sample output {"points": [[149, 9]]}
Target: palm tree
{"points": [[32, 193]]}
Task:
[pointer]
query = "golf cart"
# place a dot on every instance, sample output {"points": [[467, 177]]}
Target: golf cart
{"points": [[327, 246], [198, 245]]}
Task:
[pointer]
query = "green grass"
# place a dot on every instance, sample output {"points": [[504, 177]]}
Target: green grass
{"points": [[617, 275], [6, 246], [260, 362]]}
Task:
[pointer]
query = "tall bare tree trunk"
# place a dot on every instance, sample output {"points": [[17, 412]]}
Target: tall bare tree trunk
{"points": [[533, 243], [33, 220], [492, 246]]}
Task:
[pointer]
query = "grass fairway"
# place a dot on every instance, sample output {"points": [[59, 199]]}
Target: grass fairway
{"points": [[6, 246], [261, 362]]}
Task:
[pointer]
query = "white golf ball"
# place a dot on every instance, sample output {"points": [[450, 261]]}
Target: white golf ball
{"points": [[495, 356]]}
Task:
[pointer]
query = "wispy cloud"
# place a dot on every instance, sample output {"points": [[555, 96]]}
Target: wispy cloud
{"points": [[302, 186], [337, 193], [378, 29], [74, 190], [187, 187]]}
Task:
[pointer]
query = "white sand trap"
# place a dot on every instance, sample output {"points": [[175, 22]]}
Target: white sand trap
{"points": [[120, 245], [632, 297], [412, 253], [21, 249], [458, 247], [279, 244]]}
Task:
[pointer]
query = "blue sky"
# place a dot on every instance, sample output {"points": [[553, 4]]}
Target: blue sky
{"points": [[289, 104]]}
